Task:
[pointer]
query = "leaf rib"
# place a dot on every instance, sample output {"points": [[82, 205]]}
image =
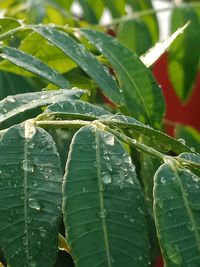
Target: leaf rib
{"points": [[101, 199]]}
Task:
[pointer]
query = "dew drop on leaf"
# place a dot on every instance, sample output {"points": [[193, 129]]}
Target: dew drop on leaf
{"points": [[102, 214], [106, 177], [43, 231], [181, 140], [27, 165], [34, 204], [163, 180]]}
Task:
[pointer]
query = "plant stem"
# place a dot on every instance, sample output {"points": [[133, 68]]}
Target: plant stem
{"points": [[62, 124]]}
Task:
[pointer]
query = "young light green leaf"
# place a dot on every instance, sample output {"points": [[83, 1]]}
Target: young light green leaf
{"points": [[34, 65], [103, 203], [183, 65], [30, 196], [177, 211], [13, 105], [139, 89], [150, 57], [84, 58]]}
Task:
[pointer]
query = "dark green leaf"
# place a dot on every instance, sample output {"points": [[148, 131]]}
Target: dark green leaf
{"points": [[193, 161], [103, 203], [91, 12], [143, 98], [30, 196], [153, 138], [13, 105], [177, 215], [76, 108], [33, 65], [12, 84], [183, 65], [84, 58]]}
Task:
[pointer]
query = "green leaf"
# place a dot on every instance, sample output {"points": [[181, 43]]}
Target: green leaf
{"points": [[84, 58], [7, 24], [12, 84], [13, 105], [30, 196], [143, 97], [103, 203], [183, 65], [150, 20], [75, 109], [91, 12], [177, 215], [117, 8], [37, 46], [33, 65], [190, 135], [135, 35], [193, 161], [150, 136]]}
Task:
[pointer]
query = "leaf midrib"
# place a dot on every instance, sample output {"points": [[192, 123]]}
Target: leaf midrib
{"points": [[187, 206], [101, 199]]}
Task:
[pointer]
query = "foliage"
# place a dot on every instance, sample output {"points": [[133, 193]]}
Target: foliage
{"points": [[85, 164]]}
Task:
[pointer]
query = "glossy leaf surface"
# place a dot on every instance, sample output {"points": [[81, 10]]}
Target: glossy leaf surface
{"points": [[13, 105], [30, 196], [103, 203], [177, 215], [138, 86], [82, 57]]}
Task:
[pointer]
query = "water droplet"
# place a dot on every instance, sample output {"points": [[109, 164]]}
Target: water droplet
{"points": [[95, 164], [24, 241], [39, 245], [190, 227], [27, 165], [163, 180], [35, 184], [34, 204], [49, 148], [118, 161], [106, 177], [102, 214], [126, 159], [11, 98], [109, 139], [43, 231], [28, 220], [31, 262], [181, 140], [109, 166], [94, 146]]}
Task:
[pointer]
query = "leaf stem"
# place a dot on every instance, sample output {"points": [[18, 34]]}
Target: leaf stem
{"points": [[62, 124]]}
